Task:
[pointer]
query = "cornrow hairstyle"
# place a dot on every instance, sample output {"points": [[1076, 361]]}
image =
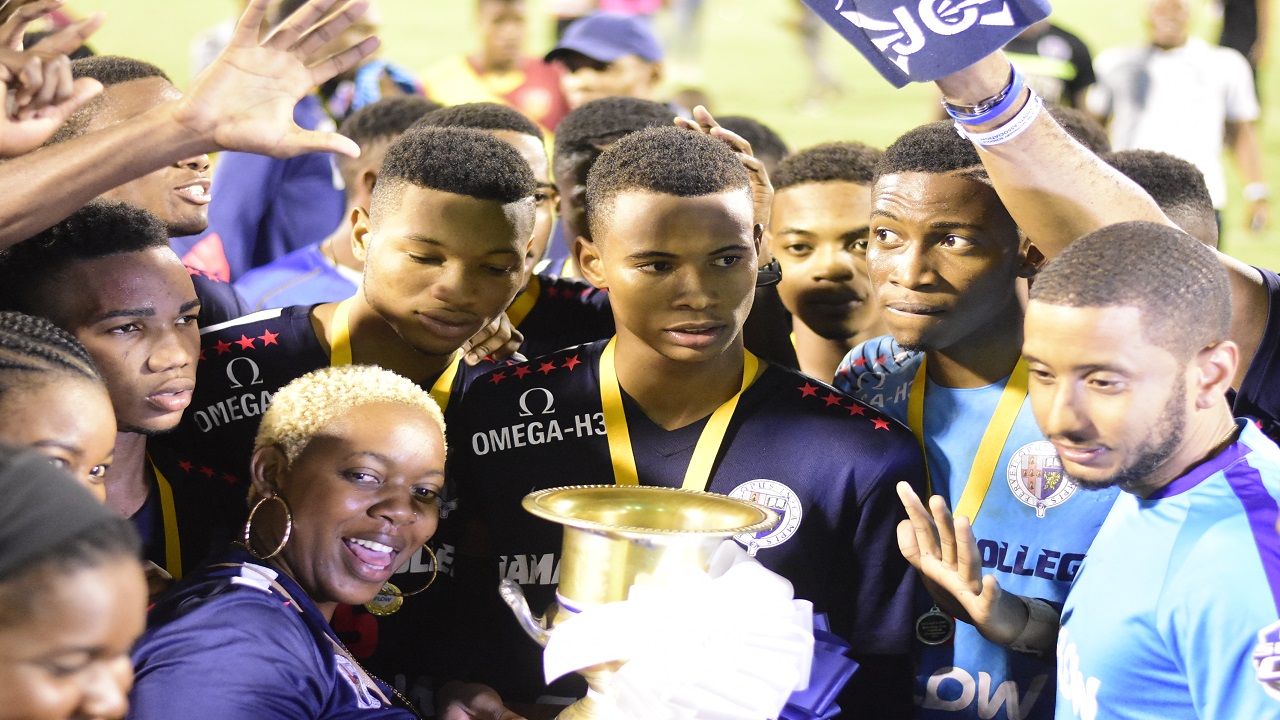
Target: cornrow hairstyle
{"points": [[1176, 185], [850, 162], [666, 160], [454, 160], [589, 129], [482, 116], [936, 149], [303, 408], [1153, 267], [1083, 127], [101, 228], [31, 347], [110, 70], [766, 144]]}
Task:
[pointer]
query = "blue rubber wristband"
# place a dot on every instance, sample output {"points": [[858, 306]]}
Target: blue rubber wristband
{"points": [[1011, 94]]}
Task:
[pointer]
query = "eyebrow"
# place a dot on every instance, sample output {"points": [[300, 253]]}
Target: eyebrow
{"points": [[436, 243], [144, 312], [75, 449], [656, 255], [1082, 369]]}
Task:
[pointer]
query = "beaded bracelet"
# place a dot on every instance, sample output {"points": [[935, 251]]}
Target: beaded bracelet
{"points": [[991, 108], [1009, 130]]}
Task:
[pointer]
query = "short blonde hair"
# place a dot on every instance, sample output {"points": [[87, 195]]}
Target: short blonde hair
{"points": [[301, 409]]}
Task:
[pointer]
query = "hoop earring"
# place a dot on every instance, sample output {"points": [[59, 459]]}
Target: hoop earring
{"points": [[288, 528], [390, 598]]}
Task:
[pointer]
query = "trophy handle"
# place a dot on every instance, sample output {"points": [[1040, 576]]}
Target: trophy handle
{"points": [[535, 626]]}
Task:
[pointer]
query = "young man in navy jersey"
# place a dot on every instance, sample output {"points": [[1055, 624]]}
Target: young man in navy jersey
{"points": [[551, 312], [443, 246], [674, 240], [135, 309]]}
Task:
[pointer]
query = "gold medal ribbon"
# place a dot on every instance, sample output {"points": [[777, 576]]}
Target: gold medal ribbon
{"points": [[169, 513], [340, 354], [698, 475], [993, 438], [524, 302]]}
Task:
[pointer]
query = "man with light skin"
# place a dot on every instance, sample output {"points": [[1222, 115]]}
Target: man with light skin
{"points": [[608, 54]]}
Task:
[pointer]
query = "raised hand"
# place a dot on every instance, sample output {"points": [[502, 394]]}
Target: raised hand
{"points": [[17, 15], [37, 85], [244, 101]]}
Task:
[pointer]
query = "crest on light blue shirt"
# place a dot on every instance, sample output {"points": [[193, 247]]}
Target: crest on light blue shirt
{"points": [[1036, 477]]}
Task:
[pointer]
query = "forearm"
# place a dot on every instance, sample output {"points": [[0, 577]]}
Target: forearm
{"points": [[1247, 153], [1055, 189], [42, 187]]}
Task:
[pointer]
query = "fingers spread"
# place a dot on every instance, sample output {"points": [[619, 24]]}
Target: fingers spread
{"points": [[335, 65]]}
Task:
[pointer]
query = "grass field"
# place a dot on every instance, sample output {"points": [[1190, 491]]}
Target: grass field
{"points": [[751, 64]]}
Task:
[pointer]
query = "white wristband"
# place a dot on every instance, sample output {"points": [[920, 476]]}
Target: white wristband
{"points": [[1010, 130], [1255, 191], [1041, 632]]}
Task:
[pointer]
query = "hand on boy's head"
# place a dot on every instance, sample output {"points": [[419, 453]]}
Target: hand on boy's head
{"points": [[40, 92], [761, 188], [244, 101]]}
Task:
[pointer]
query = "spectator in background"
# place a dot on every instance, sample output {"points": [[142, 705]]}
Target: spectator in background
{"points": [[766, 144], [1176, 94], [606, 55], [1057, 63], [500, 71], [1244, 29], [566, 12]]}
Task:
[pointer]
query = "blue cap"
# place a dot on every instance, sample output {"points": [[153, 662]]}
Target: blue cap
{"points": [[605, 37]]}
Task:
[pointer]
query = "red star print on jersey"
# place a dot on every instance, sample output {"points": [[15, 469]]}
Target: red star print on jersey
{"points": [[521, 371], [859, 361], [881, 424], [223, 347], [808, 390], [546, 368], [856, 409], [572, 363], [186, 466], [206, 471], [245, 343], [497, 377], [202, 357], [881, 360], [831, 399], [231, 479], [268, 338]]}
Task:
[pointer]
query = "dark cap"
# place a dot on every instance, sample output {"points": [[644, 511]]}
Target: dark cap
{"points": [[605, 37]]}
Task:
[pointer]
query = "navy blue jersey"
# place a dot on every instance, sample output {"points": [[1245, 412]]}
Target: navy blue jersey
{"points": [[246, 642], [219, 301], [826, 462], [555, 313], [1259, 395]]}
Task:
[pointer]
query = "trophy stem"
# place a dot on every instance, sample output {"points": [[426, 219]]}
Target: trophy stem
{"points": [[595, 706]]}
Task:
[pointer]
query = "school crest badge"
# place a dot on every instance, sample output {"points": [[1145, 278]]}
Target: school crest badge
{"points": [[1036, 477], [777, 497]]}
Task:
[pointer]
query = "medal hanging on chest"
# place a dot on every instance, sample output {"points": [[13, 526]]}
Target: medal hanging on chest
{"points": [[935, 627], [388, 600]]}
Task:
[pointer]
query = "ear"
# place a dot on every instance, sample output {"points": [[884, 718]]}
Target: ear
{"points": [[1032, 261], [590, 262], [764, 244], [1215, 369], [366, 181], [361, 233], [657, 73], [266, 467]]}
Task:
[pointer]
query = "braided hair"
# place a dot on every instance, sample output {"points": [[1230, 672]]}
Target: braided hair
{"points": [[33, 346]]}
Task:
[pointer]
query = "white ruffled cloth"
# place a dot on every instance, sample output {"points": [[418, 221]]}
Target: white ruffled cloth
{"points": [[732, 643]]}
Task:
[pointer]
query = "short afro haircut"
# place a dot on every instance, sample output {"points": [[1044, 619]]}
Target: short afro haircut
{"points": [[101, 228], [850, 162], [766, 144], [1176, 185], [483, 116], [665, 160], [461, 161], [380, 121], [109, 70], [1153, 267], [1083, 127], [588, 130], [303, 408], [936, 149]]}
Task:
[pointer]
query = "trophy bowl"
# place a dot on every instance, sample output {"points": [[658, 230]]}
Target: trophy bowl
{"points": [[619, 536]]}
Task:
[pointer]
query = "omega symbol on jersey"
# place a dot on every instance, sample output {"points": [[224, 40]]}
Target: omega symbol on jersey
{"points": [[1036, 477], [1266, 659], [777, 497]]}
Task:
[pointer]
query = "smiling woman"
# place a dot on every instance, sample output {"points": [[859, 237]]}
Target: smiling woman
{"points": [[347, 471]]}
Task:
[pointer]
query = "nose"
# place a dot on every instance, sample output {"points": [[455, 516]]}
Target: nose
{"points": [[198, 163], [450, 285], [1061, 415], [909, 266], [833, 263], [175, 348], [106, 690], [398, 507], [695, 290]]}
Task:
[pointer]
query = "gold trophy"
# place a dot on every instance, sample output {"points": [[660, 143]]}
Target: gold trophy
{"points": [[619, 536]]}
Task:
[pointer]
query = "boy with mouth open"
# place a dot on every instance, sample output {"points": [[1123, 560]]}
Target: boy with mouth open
{"points": [[674, 399]]}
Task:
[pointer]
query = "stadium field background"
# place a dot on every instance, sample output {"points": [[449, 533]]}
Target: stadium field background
{"points": [[751, 63]]}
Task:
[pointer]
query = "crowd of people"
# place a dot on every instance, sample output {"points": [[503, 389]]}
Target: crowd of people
{"points": [[266, 419]]}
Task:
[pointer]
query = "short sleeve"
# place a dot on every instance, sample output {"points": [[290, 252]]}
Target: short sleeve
{"points": [[1242, 97]]}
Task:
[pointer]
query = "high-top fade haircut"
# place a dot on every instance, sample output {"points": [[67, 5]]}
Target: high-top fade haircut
{"points": [[1153, 267], [766, 144], [483, 116], [850, 162], [461, 161], [30, 270], [588, 130], [1176, 185], [381, 121], [109, 70], [936, 149], [665, 160]]}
